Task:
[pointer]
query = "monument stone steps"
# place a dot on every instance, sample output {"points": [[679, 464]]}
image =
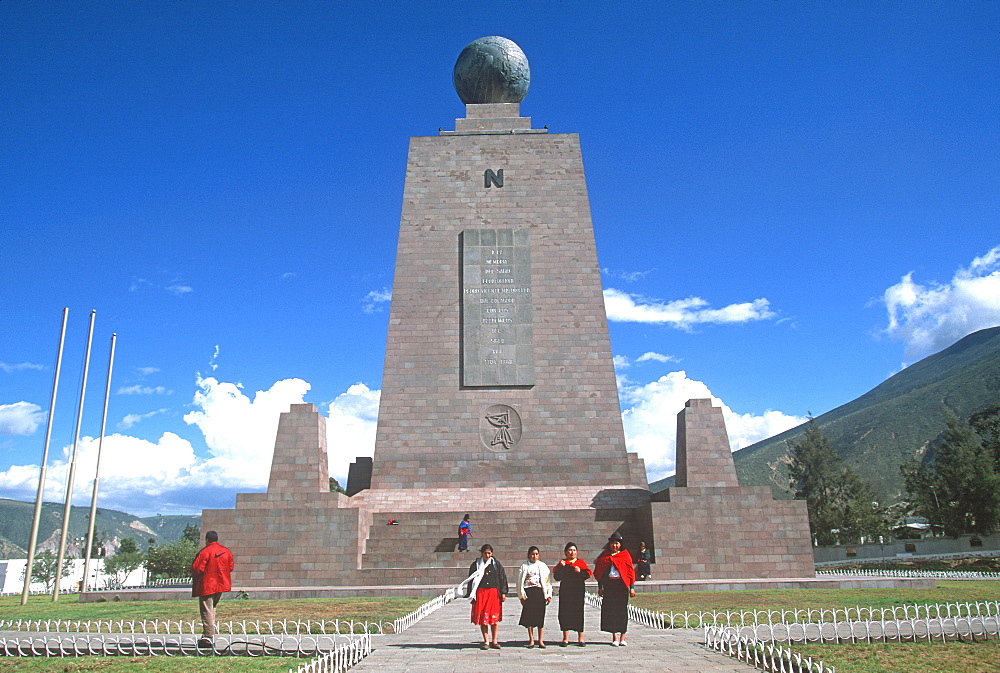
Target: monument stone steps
{"points": [[459, 499], [429, 539]]}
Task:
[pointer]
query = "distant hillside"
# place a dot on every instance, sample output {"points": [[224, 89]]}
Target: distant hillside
{"points": [[112, 526], [892, 422]]}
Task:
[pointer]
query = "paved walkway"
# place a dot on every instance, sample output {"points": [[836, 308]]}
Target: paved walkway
{"points": [[447, 642]]}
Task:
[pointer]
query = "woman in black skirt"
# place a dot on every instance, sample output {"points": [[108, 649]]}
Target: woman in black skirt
{"points": [[571, 573], [616, 584], [534, 588]]}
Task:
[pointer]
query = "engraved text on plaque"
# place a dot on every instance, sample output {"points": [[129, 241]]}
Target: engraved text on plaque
{"points": [[497, 339]]}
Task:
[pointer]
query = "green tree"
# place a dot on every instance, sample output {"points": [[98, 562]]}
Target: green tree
{"points": [[863, 518], [43, 569], [128, 545], [986, 423], [191, 534], [172, 559], [841, 505], [812, 475], [121, 565], [957, 488], [335, 486]]}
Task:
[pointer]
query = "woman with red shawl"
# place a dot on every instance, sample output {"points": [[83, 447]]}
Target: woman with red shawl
{"points": [[616, 584], [571, 574]]}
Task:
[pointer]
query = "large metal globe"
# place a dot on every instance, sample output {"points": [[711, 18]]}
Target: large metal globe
{"points": [[492, 70]]}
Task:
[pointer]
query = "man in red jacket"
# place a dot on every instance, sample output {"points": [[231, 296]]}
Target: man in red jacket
{"points": [[210, 570]]}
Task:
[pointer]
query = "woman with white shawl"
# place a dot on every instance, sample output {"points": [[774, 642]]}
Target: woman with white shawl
{"points": [[487, 588], [534, 588]]}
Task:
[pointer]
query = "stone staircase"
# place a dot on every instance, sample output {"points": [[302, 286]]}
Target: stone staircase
{"points": [[422, 548]]}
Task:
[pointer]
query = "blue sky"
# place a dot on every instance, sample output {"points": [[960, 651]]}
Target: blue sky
{"points": [[792, 201]]}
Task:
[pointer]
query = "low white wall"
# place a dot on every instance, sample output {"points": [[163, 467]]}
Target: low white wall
{"points": [[898, 548], [12, 580]]}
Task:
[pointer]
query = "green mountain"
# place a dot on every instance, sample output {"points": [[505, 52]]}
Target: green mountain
{"points": [[891, 423], [111, 526]]}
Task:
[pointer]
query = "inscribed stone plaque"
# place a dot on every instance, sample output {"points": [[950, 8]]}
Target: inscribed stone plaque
{"points": [[497, 337]]}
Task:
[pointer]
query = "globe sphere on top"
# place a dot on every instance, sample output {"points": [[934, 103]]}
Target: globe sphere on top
{"points": [[492, 70]]}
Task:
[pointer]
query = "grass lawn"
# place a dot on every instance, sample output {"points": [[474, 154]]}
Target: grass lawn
{"points": [[946, 592], [954, 657], [67, 607]]}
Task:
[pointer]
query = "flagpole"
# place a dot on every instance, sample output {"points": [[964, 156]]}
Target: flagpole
{"points": [[72, 464], [97, 471], [45, 459]]}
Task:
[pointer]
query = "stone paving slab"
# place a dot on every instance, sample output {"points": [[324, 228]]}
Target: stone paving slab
{"points": [[447, 642]]}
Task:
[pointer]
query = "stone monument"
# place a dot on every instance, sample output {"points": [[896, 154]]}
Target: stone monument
{"points": [[499, 396]]}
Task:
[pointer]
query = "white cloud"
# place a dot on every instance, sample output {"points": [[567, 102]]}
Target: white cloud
{"points": [[129, 467], [19, 367], [132, 419], [144, 390], [20, 418], [627, 276], [239, 431], [656, 357], [622, 361], [350, 428], [649, 414], [138, 284], [166, 475], [179, 289], [373, 300], [681, 313], [147, 371], [928, 318]]}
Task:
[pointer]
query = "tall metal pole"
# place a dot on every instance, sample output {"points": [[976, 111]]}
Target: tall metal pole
{"points": [[72, 463], [97, 470], [45, 461]]}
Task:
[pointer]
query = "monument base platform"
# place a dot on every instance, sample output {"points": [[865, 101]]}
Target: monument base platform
{"points": [[432, 590]]}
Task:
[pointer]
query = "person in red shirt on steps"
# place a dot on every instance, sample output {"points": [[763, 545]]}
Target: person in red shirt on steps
{"points": [[211, 572]]}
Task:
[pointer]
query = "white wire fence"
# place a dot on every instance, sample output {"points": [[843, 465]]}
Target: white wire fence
{"points": [[754, 636], [173, 627], [902, 630], [335, 645], [929, 574], [340, 659], [701, 618], [137, 645], [763, 655], [656, 620]]}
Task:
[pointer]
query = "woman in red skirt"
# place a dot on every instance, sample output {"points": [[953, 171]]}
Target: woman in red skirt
{"points": [[487, 588]]}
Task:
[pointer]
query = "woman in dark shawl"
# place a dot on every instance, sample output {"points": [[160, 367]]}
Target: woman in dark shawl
{"points": [[571, 573]]}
